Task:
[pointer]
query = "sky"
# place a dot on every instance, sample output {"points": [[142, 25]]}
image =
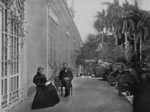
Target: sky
{"points": [[86, 10]]}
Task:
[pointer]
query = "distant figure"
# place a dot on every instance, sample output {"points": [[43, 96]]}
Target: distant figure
{"points": [[46, 94], [66, 77], [81, 74]]}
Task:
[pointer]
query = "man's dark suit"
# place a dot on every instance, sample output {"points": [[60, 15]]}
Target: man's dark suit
{"points": [[66, 73]]}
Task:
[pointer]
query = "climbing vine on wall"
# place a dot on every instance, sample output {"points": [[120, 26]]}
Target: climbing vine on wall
{"points": [[14, 22]]}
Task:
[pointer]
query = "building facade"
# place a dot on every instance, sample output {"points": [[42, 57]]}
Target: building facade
{"points": [[33, 33]]}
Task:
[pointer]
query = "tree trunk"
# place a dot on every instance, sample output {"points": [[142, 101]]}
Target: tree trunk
{"points": [[141, 49], [126, 45], [135, 49], [102, 45], [116, 46]]}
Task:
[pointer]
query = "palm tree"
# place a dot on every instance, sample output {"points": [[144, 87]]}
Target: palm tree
{"points": [[115, 22], [100, 25], [128, 21], [143, 28], [103, 21], [139, 29]]}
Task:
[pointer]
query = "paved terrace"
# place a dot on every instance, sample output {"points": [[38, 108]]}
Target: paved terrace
{"points": [[90, 95]]}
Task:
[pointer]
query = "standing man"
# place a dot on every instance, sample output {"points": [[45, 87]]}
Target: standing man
{"points": [[66, 77]]}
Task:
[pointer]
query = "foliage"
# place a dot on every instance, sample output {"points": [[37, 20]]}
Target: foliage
{"points": [[88, 51], [14, 20], [131, 28], [92, 48], [121, 59], [80, 60], [128, 23], [100, 22], [146, 52], [108, 52]]}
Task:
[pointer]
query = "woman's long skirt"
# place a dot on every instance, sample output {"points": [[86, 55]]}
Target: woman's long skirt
{"points": [[45, 97]]}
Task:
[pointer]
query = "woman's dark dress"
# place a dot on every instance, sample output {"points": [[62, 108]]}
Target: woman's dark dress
{"points": [[46, 96]]}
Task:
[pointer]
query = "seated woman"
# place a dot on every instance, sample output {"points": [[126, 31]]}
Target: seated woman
{"points": [[46, 94]]}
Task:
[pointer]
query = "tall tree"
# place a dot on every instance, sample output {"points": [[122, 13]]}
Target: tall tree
{"points": [[129, 22], [89, 47]]}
